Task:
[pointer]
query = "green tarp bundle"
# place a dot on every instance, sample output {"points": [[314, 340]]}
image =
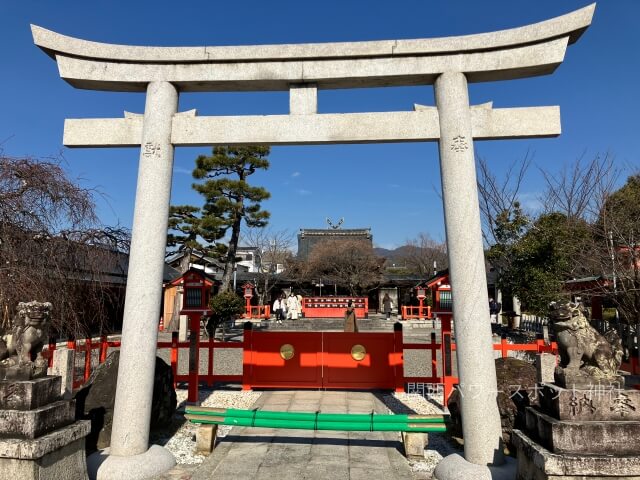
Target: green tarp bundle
{"points": [[318, 421]]}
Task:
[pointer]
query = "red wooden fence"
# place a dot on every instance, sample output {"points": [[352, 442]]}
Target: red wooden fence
{"points": [[254, 355]]}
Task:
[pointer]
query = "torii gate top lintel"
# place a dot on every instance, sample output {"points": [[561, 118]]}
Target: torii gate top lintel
{"points": [[534, 49]]}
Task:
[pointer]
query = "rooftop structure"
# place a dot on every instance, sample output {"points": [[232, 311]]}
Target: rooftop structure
{"points": [[310, 237]]}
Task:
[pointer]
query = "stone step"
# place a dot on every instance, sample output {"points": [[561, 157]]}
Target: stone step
{"points": [[37, 422]]}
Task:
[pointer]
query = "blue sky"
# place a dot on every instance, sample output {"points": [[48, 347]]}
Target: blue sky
{"points": [[391, 188]]}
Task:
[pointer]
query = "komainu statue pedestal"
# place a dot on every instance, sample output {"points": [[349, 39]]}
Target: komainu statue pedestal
{"points": [[39, 437], [581, 433], [588, 422]]}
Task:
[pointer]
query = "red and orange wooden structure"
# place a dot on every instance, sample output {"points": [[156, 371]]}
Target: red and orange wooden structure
{"points": [[336, 360], [334, 307], [253, 311], [439, 289]]}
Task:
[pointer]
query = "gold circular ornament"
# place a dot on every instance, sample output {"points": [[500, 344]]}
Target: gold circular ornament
{"points": [[358, 352], [287, 351]]}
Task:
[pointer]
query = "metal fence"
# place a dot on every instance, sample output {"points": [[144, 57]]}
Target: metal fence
{"points": [[533, 323]]}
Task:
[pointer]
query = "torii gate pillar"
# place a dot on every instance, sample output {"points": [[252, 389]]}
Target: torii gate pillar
{"points": [[481, 425], [130, 433]]}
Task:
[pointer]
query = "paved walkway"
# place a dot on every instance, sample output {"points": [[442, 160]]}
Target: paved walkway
{"points": [[276, 454]]}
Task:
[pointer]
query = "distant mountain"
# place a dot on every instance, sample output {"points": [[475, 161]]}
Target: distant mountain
{"points": [[400, 252], [383, 252]]}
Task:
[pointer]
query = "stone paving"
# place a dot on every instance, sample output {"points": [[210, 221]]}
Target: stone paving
{"points": [[261, 453]]}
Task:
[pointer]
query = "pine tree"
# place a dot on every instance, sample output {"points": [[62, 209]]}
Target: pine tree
{"points": [[229, 199], [188, 232]]}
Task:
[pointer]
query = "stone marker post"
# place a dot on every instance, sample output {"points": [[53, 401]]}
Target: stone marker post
{"points": [[476, 368], [63, 366], [132, 410]]}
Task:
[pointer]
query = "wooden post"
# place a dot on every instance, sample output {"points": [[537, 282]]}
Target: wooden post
{"points": [[398, 347], [104, 348], [434, 357], [247, 307], [246, 356], [503, 346], [445, 346], [52, 348], [211, 343], [174, 357], [194, 357], [87, 359]]}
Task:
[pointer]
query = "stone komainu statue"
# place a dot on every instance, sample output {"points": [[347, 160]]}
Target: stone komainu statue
{"points": [[29, 333], [582, 349]]}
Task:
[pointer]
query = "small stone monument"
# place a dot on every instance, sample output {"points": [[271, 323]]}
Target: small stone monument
{"points": [[39, 437], [588, 423]]}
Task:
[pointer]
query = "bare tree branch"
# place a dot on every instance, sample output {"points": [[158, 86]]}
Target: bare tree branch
{"points": [[52, 248], [499, 196], [580, 190]]}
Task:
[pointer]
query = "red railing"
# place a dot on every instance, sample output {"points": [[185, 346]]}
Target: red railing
{"points": [[102, 345], [258, 311], [194, 378], [446, 347], [410, 313]]}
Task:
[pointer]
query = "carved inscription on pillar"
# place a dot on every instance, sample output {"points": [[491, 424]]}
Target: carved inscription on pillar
{"points": [[459, 144], [150, 149]]}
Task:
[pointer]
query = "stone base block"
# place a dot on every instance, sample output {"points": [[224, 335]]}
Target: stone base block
{"points": [[537, 463], [29, 394], [206, 438], [147, 465], [455, 467], [592, 404], [414, 443], [37, 422], [57, 455], [589, 438], [567, 378], [33, 449], [67, 463]]}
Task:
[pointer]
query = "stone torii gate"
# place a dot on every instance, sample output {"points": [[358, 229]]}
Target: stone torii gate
{"points": [[448, 63]]}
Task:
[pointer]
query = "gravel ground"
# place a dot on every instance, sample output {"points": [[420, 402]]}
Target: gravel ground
{"points": [[181, 439], [439, 445]]}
